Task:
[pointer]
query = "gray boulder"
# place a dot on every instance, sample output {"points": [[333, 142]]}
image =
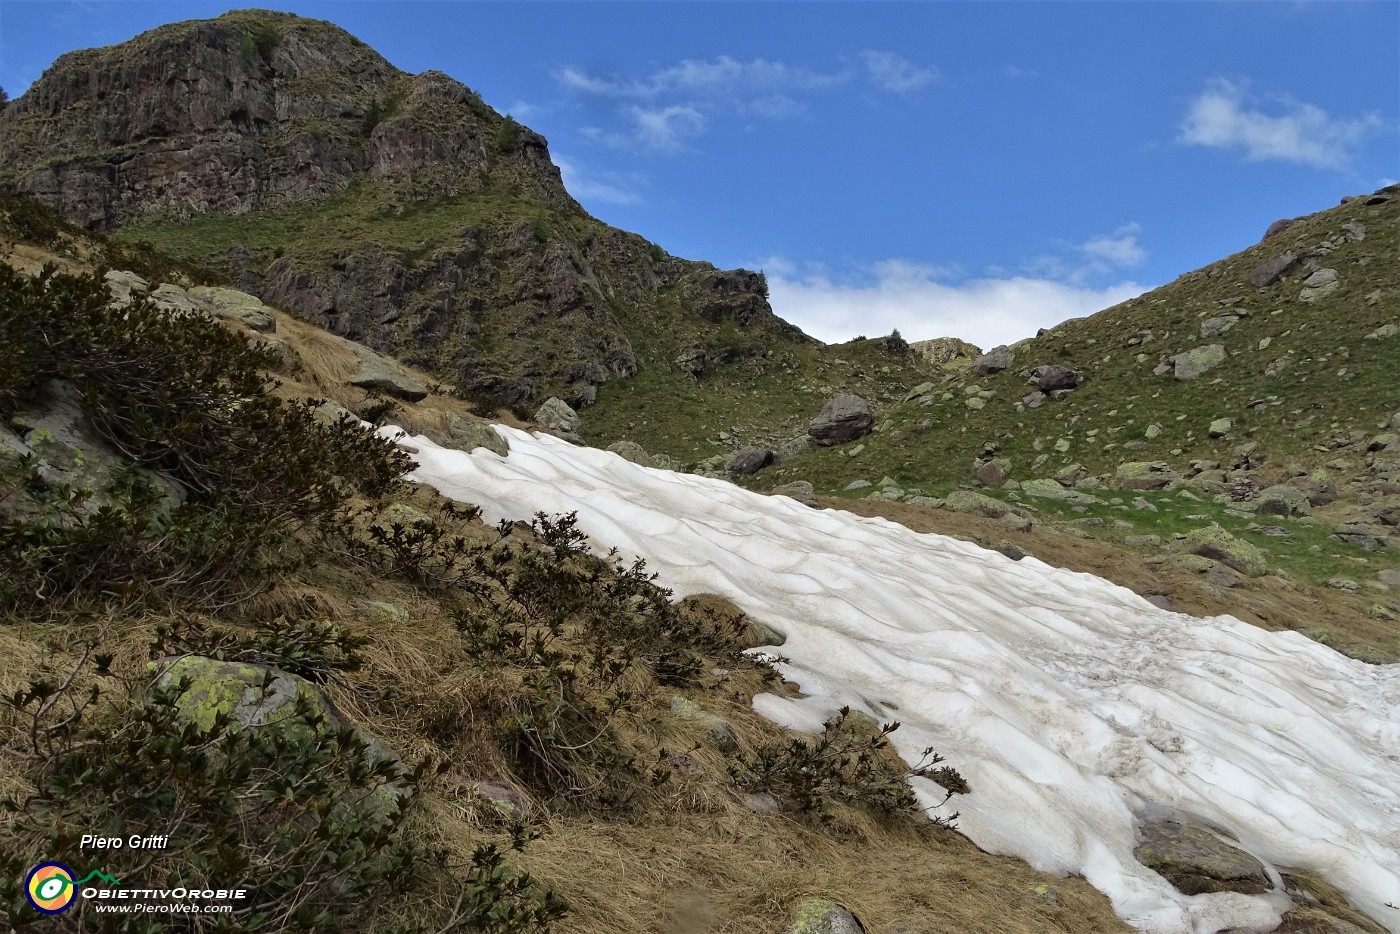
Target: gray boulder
{"points": [[1272, 270], [266, 698], [1219, 545], [1053, 489], [844, 418], [122, 284], [470, 434], [382, 375], [234, 305], [975, 504], [815, 915], [556, 415], [1218, 325], [994, 472], [1282, 501], [632, 451], [1195, 363], [1052, 377], [994, 361], [1278, 227], [1145, 475], [749, 460], [800, 490], [1197, 861], [70, 451], [1319, 285]]}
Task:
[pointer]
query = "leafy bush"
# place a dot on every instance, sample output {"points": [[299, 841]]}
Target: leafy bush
{"points": [[845, 764]]}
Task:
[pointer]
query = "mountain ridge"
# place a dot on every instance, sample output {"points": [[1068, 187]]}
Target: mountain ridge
{"points": [[449, 238]]}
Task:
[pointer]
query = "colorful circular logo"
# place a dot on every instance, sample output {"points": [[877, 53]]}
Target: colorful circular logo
{"points": [[50, 887]]}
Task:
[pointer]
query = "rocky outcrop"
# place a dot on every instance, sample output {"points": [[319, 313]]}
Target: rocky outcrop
{"points": [[946, 351]]}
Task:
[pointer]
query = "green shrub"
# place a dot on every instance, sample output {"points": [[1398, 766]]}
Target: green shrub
{"points": [[310, 649], [290, 814], [181, 396], [507, 135], [845, 764]]}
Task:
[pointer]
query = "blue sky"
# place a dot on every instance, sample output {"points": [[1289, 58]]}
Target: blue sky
{"points": [[968, 169]]}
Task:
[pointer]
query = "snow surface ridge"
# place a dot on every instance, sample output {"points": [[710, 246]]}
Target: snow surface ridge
{"points": [[1073, 707]]}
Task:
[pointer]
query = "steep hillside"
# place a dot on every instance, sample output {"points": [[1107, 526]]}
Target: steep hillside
{"points": [[397, 210]]}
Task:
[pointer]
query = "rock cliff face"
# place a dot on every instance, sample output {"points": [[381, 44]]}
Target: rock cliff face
{"points": [[397, 210]]}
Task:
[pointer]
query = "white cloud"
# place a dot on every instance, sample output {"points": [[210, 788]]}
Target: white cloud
{"points": [[524, 110], [664, 128], [1223, 117], [894, 72], [911, 298], [1117, 249], [718, 78], [586, 186]]}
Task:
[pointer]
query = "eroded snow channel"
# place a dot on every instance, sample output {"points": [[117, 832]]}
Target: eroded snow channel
{"points": [[1072, 706]]}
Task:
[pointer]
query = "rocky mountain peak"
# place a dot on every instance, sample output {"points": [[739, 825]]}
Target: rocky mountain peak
{"points": [[250, 110]]}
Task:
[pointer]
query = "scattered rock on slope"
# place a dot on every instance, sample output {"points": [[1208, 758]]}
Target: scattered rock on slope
{"points": [[385, 376], [844, 418], [1272, 270], [1193, 363], [994, 361], [556, 415], [749, 460]]}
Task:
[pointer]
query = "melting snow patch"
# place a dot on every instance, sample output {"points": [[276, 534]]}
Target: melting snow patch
{"points": [[1073, 707]]}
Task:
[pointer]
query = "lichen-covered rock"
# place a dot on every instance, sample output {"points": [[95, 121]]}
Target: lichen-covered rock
{"points": [[844, 418], [1145, 475], [556, 415], [262, 697], [976, 504], [946, 352], [632, 451], [1282, 501], [233, 305], [719, 730], [1197, 861], [1192, 364], [1054, 489], [824, 916], [385, 376], [1219, 545], [123, 285], [800, 490]]}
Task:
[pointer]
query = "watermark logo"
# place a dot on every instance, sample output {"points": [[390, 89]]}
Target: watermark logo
{"points": [[51, 888]]}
